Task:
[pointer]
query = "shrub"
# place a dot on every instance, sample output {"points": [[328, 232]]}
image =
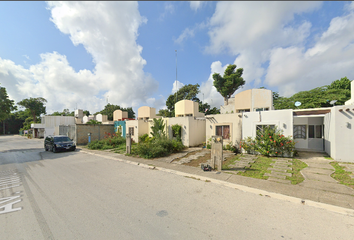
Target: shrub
{"points": [[157, 130], [177, 131], [144, 138], [108, 142], [158, 147], [269, 142]]}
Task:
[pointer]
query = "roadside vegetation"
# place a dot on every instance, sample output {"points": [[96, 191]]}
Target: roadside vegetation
{"points": [[342, 176], [148, 147]]}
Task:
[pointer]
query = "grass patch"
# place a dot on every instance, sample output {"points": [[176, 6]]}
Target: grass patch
{"points": [[342, 176], [258, 168], [296, 176], [328, 157], [228, 164]]}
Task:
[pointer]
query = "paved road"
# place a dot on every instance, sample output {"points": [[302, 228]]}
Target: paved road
{"points": [[74, 195]]}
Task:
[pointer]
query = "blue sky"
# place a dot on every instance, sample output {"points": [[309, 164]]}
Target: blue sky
{"points": [[79, 54]]}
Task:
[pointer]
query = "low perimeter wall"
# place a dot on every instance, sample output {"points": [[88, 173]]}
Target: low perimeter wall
{"points": [[97, 132]]}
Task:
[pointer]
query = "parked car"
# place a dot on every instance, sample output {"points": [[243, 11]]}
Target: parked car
{"points": [[59, 143]]}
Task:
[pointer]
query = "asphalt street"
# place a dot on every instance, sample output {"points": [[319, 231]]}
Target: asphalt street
{"points": [[75, 195]]}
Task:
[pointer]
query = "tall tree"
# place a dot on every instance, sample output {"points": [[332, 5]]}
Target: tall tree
{"points": [[229, 83], [110, 108], [35, 106], [318, 97], [207, 109], [6, 106], [188, 92]]}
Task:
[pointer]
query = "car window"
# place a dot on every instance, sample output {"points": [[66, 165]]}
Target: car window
{"points": [[62, 139]]}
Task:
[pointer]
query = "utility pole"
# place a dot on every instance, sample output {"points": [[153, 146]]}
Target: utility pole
{"points": [[176, 76]]}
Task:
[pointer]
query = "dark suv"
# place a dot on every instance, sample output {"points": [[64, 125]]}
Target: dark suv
{"points": [[58, 143]]}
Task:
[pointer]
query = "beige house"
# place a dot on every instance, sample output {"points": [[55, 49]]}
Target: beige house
{"points": [[186, 115], [119, 115], [228, 124], [187, 108]]}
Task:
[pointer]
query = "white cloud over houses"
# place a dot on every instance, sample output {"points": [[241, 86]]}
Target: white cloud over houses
{"points": [[329, 59], [108, 31], [271, 47]]}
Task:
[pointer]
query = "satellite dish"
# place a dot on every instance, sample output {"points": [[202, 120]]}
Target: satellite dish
{"points": [[297, 104], [333, 102]]}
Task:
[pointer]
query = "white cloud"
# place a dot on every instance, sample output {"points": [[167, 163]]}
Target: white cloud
{"points": [[252, 31], [186, 33], [169, 9], [294, 69], [211, 96], [195, 5], [176, 85], [108, 31]]}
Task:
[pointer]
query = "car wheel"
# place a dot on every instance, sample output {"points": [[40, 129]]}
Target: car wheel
{"points": [[54, 149], [74, 149]]}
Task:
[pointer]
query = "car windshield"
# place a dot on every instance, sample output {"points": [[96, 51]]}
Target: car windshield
{"points": [[62, 139]]}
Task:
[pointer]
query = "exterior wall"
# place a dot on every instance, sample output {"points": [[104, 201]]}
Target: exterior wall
{"points": [[341, 133], [101, 118], [254, 98], [123, 125], [97, 132], [119, 115], [283, 119], [182, 121], [309, 143], [85, 119], [233, 119], [196, 131], [140, 128], [146, 112]]}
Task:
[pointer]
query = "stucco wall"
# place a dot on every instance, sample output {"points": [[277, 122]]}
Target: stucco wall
{"points": [[342, 137], [233, 119], [140, 128], [283, 119], [254, 98], [146, 112], [97, 132], [196, 131]]}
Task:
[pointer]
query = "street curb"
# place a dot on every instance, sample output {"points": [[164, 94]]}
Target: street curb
{"points": [[325, 206]]}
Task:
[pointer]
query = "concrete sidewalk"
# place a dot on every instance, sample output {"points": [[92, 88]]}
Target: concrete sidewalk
{"points": [[318, 187]]}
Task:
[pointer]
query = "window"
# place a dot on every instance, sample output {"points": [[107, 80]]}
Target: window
{"points": [[260, 129], [131, 131], [223, 131], [300, 131], [260, 109], [315, 131], [243, 110]]}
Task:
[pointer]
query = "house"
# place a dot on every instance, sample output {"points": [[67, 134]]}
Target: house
{"points": [[228, 124], [119, 118], [49, 123], [187, 115]]}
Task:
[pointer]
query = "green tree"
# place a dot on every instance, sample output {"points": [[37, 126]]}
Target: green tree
{"points": [[188, 92], [207, 109], [65, 112], [86, 113], [93, 122], [110, 108], [318, 97], [230, 82], [35, 106], [158, 128], [6, 106]]}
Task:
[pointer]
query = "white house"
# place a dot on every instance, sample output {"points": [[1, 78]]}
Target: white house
{"points": [[49, 123]]}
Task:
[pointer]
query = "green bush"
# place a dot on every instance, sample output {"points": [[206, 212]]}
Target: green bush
{"points": [[110, 141], [269, 142], [177, 131], [144, 138], [159, 147]]}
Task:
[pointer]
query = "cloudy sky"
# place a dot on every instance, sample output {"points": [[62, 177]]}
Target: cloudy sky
{"points": [[83, 54]]}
